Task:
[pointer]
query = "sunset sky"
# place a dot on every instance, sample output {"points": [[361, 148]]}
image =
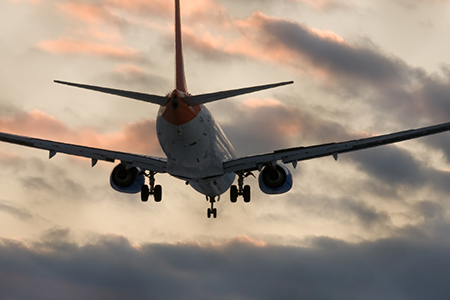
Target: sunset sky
{"points": [[373, 225]]}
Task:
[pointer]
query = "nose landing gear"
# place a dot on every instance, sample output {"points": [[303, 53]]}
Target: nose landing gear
{"points": [[212, 211], [155, 190]]}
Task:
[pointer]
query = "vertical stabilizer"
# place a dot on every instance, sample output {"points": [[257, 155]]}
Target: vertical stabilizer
{"points": [[180, 80]]}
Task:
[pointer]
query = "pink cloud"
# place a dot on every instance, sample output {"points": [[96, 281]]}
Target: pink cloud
{"points": [[249, 38], [155, 7], [138, 137], [28, 1], [328, 34], [68, 45], [87, 12], [244, 239], [254, 102], [130, 69], [324, 5]]}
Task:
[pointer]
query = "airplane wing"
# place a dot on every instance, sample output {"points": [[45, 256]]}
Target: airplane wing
{"points": [[294, 155], [133, 160]]}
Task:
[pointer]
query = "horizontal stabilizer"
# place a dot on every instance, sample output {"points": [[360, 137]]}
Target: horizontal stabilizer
{"points": [[205, 98], [133, 95]]}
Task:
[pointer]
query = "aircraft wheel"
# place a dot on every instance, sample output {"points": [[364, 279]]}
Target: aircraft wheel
{"points": [[157, 193], [212, 212], [145, 193], [247, 194], [233, 194]]}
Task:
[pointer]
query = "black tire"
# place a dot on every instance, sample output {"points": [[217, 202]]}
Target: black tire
{"points": [[145, 193], [233, 194], [209, 213], [157, 193], [214, 212], [247, 194]]}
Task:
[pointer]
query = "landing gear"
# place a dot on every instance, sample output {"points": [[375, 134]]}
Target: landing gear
{"points": [[241, 190], [145, 193], [155, 190], [212, 211]]}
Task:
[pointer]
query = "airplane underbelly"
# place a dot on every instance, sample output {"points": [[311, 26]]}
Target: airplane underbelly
{"points": [[214, 186], [195, 151]]}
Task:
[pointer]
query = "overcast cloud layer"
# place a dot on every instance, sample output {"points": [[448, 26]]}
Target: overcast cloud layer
{"points": [[373, 225]]}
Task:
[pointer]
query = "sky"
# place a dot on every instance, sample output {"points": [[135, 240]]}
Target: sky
{"points": [[373, 225]]}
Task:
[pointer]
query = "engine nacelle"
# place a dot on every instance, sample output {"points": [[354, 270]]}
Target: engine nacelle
{"points": [[125, 180], [275, 180]]}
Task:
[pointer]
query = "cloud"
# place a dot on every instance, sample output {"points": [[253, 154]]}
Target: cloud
{"points": [[69, 45], [269, 122], [327, 51], [113, 268], [34, 2], [19, 213], [137, 78], [138, 137], [327, 5], [368, 216], [88, 13]]}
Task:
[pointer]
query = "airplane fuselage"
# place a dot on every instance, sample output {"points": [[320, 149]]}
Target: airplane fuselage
{"points": [[195, 145]]}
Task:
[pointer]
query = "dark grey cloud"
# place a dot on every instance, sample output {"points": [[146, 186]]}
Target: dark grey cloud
{"points": [[112, 268], [396, 167], [356, 63], [262, 128], [398, 93], [17, 212], [391, 165], [368, 216]]}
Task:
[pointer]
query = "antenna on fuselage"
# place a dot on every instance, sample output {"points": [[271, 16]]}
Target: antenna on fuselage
{"points": [[180, 79]]}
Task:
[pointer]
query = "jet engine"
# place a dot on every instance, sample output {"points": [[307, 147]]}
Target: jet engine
{"points": [[127, 180], [275, 179]]}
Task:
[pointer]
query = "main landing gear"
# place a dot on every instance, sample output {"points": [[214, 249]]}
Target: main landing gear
{"points": [[155, 190], [241, 190]]}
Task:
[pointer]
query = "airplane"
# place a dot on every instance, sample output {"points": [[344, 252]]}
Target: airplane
{"points": [[197, 151]]}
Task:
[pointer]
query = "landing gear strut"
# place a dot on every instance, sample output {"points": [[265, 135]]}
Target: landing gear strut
{"points": [[155, 190], [241, 190], [212, 211]]}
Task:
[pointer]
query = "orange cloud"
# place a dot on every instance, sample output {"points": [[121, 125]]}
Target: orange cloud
{"points": [[130, 69], [29, 1], [68, 45], [155, 7], [244, 239], [254, 102], [138, 137], [250, 39], [322, 5], [328, 34], [86, 12]]}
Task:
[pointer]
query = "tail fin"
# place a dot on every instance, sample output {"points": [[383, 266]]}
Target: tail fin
{"points": [[180, 80]]}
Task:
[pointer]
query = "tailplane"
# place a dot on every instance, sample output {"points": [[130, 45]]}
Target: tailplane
{"points": [[205, 98]]}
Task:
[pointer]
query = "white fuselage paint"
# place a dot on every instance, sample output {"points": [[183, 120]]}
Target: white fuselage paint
{"points": [[196, 152]]}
